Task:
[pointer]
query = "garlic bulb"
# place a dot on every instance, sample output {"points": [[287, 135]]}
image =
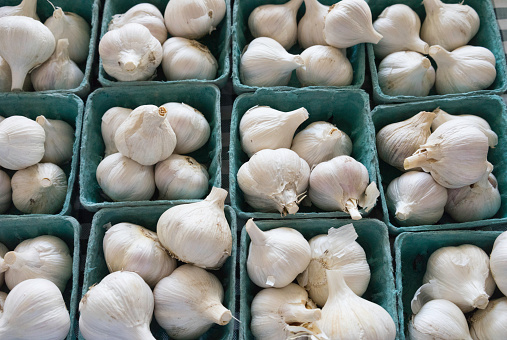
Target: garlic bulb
{"points": [[46, 318], [123, 179], [263, 127], [276, 256], [274, 180], [27, 8], [490, 322], [3, 268], [342, 184], [311, 25], [400, 26], [181, 177], [39, 189], [130, 53], [119, 307], [266, 63], [439, 319], [5, 194], [324, 66], [111, 121], [133, 248], [145, 14], [278, 22], [190, 126], [43, 257], [25, 43], [187, 59], [283, 313], [146, 135], [59, 140], [455, 155], [498, 262], [198, 233], [336, 250], [70, 26], [320, 142], [349, 23], [348, 316], [415, 198], [458, 274], [406, 74], [468, 68], [189, 301], [193, 19], [449, 25]]}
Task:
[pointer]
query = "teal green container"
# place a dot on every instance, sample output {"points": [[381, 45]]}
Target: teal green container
{"points": [[348, 110], [218, 43], [492, 109], [374, 239], [205, 98], [66, 107], [488, 36], [96, 268], [14, 230], [412, 251], [242, 37], [89, 10]]}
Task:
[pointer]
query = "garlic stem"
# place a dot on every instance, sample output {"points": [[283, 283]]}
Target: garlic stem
{"points": [[142, 333], [293, 313], [480, 301], [218, 314], [129, 60], [152, 121], [58, 13], [18, 78], [256, 235], [402, 212], [291, 208], [217, 196], [421, 47], [441, 55], [415, 160], [62, 49], [294, 5], [16, 260], [351, 206], [336, 284], [3, 265], [431, 6]]}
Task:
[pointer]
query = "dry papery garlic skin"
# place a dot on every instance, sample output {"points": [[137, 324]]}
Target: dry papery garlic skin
{"points": [[5, 192], [498, 262], [59, 140], [111, 121], [27, 8], [490, 323], [311, 25]]}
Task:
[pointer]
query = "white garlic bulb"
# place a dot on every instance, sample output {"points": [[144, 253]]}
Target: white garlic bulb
{"points": [[111, 121], [498, 262], [458, 274], [490, 323], [311, 25], [59, 140], [25, 43], [276, 256], [130, 53], [320, 142], [278, 22], [5, 193], [133, 248], [468, 68], [190, 126], [123, 179], [193, 19], [181, 177], [263, 127], [349, 23], [266, 63], [449, 25], [336, 250], [189, 301], [27, 8], [3, 268], [400, 26], [39, 189], [145, 14], [198, 233], [342, 184], [324, 66], [274, 180], [406, 74], [43, 257], [47, 317], [119, 307]]}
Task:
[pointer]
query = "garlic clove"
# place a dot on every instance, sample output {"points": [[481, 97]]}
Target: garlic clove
{"points": [[59, 140], [498, 262], [27, 8], [111, 121], [311, 25], [5, 193], [490, 323]]}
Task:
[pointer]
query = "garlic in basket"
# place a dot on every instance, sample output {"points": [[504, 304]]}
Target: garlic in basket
{"points": [[490, 323], [59, 140], [5, 192], [498, 262], [27, 8], [311, 25], [111, 121]]}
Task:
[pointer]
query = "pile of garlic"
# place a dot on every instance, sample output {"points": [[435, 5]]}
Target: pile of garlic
{"points": [[36, 150], [331, 271], [284, 167], [52, 53], [406, 70], [186, 300], [144, 151], [136, 42]]}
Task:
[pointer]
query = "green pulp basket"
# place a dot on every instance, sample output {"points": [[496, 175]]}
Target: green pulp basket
{"points": [[218, 43], [374, 239], [14, 230], [66, 107], [488, 36], [88, 10], [492, 109], [242, 37], [348, 110], [205, 98], [96, 268]]}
